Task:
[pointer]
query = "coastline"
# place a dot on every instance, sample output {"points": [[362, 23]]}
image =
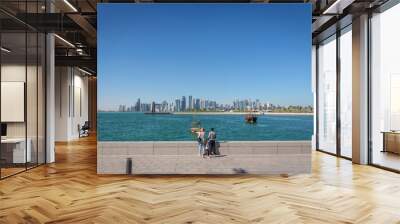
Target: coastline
{"points": [[239, 113]]}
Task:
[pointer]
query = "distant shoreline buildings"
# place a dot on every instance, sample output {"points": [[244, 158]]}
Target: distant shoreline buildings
{"points": [[192, 104]]}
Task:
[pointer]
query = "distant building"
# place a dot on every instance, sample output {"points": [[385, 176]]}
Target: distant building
{"points": [[212, 105], [177, 105], [183, 103], [202, 104], [122, 108], [164, 106], [153, 107], [236, 104], [258, 104], [197, 104], [145, 107], [190, 103], [137, 106]]}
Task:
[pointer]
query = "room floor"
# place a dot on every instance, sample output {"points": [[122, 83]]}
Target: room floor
{"points": [[10, 170], [387, 159], [70, 191]]}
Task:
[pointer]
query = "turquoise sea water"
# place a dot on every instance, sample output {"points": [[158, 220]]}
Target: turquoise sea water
{"points": [[114, 126]]}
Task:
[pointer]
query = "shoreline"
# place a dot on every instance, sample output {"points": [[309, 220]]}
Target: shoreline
{"points": [[239, 113]]}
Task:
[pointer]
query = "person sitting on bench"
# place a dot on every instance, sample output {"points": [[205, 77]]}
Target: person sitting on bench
{"points": [[84, 130]]}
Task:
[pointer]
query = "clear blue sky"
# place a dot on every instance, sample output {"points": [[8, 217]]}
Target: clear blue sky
{"points": [[215, 51]]}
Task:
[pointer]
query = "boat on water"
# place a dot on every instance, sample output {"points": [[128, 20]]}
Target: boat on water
{"points": [[196, 126], [250, 118]]}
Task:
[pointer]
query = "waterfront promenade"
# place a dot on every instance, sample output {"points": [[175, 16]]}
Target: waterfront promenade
{"points": [[181, 157]]}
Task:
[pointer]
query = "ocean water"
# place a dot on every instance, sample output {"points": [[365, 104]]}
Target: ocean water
{"points": [[114, 126]]}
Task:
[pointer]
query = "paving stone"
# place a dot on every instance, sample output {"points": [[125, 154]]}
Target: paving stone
{"points": [[183, 158]]}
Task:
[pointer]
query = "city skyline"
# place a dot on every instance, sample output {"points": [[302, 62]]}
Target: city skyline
{"points": [[162, 51], [193, 103]]}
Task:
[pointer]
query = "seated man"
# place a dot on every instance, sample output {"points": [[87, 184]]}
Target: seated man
{"points": [[84, 130]]}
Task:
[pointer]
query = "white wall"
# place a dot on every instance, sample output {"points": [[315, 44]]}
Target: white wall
{"points": [[33, 127], [14, 72], [17, 73], [62, 82], [80, 111], [71, 102]]}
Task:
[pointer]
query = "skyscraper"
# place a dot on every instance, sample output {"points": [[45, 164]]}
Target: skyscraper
{"points": [[164, 106], [153, 107], [258, 104], [177, 105], [197, 104], [190, 102], [202, 104], [137, 107], [183, 106]]}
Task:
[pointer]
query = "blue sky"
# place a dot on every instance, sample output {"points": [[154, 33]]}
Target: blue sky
{"points": [[214, 51]]}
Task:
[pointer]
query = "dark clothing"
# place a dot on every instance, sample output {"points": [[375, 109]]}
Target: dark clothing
{"points": [[212, 136], [211, 147], [207, 148]]}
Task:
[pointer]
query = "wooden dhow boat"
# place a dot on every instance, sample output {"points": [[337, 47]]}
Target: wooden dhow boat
{"points": [[250, 118]]}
